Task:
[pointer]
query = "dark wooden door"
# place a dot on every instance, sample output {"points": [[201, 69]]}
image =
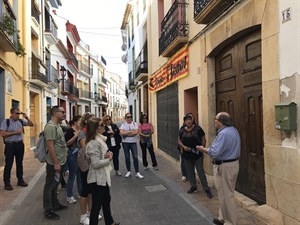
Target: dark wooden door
{"points": [[239, 92], [167, 120]]}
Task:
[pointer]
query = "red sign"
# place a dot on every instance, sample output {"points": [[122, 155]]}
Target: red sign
{"points": [[175, 69]]}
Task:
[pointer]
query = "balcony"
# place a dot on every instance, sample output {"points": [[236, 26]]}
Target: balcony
{"points": [[73, 62], [52, 77], [104, 99], [8, 28], [84, 68], [65, 87], [97, 97], [205, 11], [35, 13], [102, 82], [74, 90], [50, 30], [83, 94], [174, 29], [38, 72], [141, 63]]}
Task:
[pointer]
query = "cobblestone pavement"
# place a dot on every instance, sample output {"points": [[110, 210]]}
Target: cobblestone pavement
{"points": [[158, 199]]}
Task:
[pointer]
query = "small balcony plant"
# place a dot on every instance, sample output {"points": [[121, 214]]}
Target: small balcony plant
{"points": [[7, 25]]}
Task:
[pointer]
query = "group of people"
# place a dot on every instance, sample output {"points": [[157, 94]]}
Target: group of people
{"points": [[101, 139], [224, 151]]}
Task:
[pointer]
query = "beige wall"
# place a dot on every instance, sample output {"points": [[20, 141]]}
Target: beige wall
{"points": [[282, 164]]}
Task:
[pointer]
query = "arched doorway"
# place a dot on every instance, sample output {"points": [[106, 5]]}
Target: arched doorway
{"points": [[239, 92]]}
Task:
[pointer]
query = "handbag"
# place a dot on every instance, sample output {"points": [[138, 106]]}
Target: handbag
{"points": [[82, 161]]}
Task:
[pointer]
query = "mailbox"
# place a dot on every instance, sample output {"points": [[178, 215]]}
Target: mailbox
{"points": [[285, 116]]}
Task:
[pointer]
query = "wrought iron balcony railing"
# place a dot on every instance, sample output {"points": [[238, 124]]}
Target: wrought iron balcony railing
{"points": [[174, 29], [53, 77], [84, 94], [85, 68], [35, 13], [74, 90], [141, 64], [104, 99], [103, 80], [38, 73], [51, 27], [75, 61], [205, 11], [39, 76]]}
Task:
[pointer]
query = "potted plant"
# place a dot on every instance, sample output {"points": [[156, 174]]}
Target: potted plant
{"points": [[8, 26]]}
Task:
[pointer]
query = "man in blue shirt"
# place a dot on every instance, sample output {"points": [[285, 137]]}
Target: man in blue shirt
{"points": [[225, 152], [12, 131]]}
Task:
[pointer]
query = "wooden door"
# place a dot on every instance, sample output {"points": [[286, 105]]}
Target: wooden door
{"points": [[239, 92]]}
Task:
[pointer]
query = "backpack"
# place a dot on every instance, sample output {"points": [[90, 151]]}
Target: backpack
{"points": [[7, 125], [82, 161], [40, 151]]}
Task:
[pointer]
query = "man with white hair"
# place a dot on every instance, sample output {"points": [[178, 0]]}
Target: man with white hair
{"points": [[225, 152]]}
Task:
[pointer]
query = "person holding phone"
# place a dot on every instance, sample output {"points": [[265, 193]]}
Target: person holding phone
{"points": [[12, 132]]}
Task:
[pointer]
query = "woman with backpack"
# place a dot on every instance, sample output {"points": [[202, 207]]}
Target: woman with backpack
{"points": [[71, 136], [86, 194]]}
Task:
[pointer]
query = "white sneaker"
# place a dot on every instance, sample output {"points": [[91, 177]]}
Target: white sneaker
{"points": [[84, 219], [155, 167], [88, 216], [128, 174], [139, 175], [183, 178], [146, 167], [118, 173], [71, 200], [66, 173]]}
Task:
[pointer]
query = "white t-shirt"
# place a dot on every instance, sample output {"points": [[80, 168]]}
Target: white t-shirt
{"points": [[129, 127]]}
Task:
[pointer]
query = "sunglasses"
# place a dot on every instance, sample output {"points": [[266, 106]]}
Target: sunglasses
{"points": [[128, 117]]}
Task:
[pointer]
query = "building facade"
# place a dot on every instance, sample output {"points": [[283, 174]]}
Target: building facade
{"points": [[236, 56], [117, 101], [44, 62]]}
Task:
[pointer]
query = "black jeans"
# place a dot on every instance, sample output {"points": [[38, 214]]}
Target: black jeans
{"points": [[11, 151], [50, 200], [115, 150], [151, 152], [100, 198]]}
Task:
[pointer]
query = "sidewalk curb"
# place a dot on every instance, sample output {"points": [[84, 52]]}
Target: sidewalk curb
{"points": [[18, 201]]}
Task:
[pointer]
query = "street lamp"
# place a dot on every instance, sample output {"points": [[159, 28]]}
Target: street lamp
{"points": [[63, 74]]}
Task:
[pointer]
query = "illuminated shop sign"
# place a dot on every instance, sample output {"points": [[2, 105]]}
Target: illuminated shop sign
{"points": [[175, 69]]}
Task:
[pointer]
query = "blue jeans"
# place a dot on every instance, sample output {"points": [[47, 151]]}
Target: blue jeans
{"points": [[73, 171], [133, 148]]}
